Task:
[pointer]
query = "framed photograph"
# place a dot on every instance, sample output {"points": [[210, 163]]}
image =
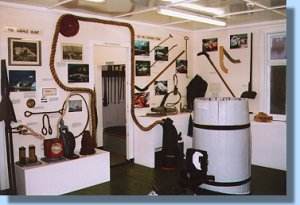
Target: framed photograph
{"points": [[75, 105], [142, 68], [22, 80], [161, 53], [141, 100], [24, 52], [49, 92], [181, 66], [161, 87], [141, 48], [239, 41], [71, 52], [278, 47], [78, 73], [210, 44]]}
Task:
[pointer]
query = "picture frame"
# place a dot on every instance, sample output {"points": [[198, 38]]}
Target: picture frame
{"points": [[78, 73], [72, 52], [239, 41], [24, 52], [161, 87], [142, 68], [161, 53], [141, 100], [75, 105], [210, 44], [181, 66], [141, 48], [22, 80]]}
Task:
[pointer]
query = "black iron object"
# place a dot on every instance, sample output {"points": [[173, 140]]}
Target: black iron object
{"points": [[170, 148], [29, 113], [196, 88], [250, 93], [45, 130], [105, 99], [87, 147], [68, 141], [195, 174], [7, 115]]}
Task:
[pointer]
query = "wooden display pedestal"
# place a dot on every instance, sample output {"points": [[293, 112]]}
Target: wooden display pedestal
{"points": [[65, 176]]}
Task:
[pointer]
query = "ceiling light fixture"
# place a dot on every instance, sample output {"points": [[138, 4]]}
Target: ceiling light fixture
{"points": [[96, 1], [190, 16], [197, 7]]}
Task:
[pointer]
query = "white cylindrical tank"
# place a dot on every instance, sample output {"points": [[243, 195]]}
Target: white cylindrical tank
{"points": [[222, 128]]}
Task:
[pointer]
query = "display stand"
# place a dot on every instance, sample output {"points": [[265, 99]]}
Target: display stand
{"points": [[65, 176]]}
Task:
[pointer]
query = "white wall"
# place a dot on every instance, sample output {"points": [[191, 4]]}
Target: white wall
{"points": [[268, 149], [88, 35], [45, 21]]}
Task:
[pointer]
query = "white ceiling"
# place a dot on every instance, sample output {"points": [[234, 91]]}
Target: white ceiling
{"points": [[115, 8]]}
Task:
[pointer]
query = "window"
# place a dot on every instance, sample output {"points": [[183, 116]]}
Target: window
{"points": [[276, 75]]}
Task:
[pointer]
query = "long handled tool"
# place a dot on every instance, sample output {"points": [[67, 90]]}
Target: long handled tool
{"points": [[104, 77], [186, 38], [164, 40], [250, 93], [219, 74], [159, 74]]}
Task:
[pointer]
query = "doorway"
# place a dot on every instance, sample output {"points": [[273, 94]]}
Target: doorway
{"points": [[112, 107]]}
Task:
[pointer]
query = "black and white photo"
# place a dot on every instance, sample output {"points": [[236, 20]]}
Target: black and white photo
{"points": [[161, 87], [142, 68], [161, 53], [22, 80], [78, 73], [24, 52], [239, 41], [71, 52], [75, 105], [181, 66]]}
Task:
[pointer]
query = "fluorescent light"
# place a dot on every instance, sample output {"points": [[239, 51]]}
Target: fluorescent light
{"points": [[190, 16], [197, 7], [96, 1]]}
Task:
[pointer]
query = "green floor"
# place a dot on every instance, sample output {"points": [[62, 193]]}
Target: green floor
{"points": [[132, 179]]}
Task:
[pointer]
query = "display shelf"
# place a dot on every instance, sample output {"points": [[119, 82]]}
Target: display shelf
{"points": [[64, 176]]}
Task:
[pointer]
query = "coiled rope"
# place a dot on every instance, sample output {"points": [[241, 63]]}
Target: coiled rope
{"points": [[91, 92]]}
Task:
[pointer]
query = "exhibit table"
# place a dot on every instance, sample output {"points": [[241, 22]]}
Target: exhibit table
{"points": [[62, 177], [147, 143]]}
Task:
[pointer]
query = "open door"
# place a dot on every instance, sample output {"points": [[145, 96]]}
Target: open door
{"points": [[113, 103]]}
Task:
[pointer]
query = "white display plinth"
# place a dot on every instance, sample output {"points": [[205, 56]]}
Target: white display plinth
{"points": [[65, 176], [147, 143]]}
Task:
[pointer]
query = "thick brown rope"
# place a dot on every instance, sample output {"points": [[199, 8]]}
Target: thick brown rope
{"points": [[90, 91]]}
